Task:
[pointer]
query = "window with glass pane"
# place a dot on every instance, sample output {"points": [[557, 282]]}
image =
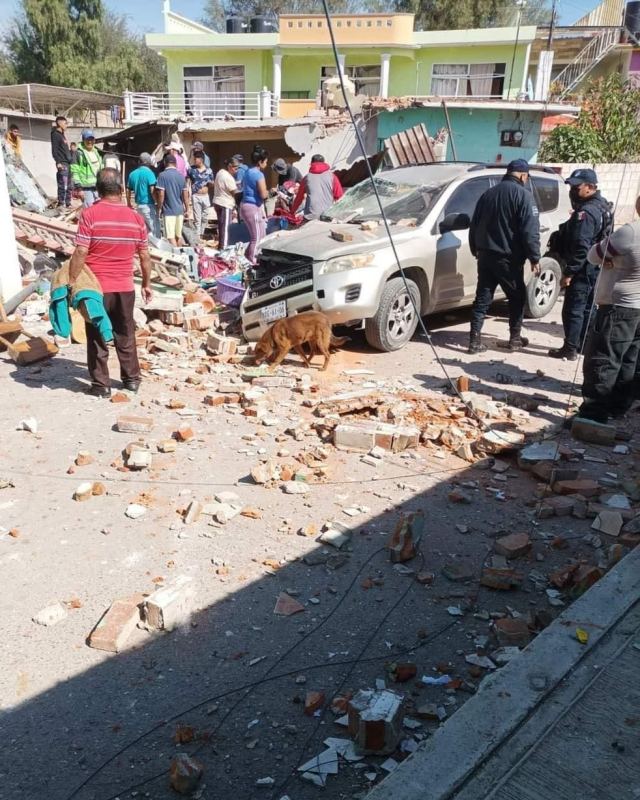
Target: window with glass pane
{"points": [[214, 91], [468, 80]]}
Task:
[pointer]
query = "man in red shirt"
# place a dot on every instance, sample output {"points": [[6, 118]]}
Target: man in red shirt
{"points": [[109, 236]]}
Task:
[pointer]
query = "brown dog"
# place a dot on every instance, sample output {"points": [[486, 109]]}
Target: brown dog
{"points": [[311, 327]]}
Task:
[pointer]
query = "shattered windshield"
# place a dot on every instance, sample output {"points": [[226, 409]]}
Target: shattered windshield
{"points": [[407, 202]]}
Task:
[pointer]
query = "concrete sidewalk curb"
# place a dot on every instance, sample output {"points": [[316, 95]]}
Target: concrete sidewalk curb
{"points": [[508, 696]]}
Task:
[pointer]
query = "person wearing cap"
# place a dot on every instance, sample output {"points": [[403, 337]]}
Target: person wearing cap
{"points": [[319, 189], [88, 164], [286, 173], [589, 222], [175, 148], [140, 189], [201, 182], [504, 233], [613, 342], [198, 147]]}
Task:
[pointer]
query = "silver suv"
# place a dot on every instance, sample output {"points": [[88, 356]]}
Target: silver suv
{"points": [[343, 264]]}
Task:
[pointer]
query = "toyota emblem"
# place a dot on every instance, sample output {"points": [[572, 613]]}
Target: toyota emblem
{"points": [[276, 282]]}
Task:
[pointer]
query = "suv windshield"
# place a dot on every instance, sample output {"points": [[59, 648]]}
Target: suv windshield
{"points": [[401, 201]]}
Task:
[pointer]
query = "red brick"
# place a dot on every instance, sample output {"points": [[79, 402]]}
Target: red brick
{"points": [[131, 424], [313, 702], [500, 579], [585, 576], [116, 625], [512, 632], [404, 541], [184, 434]]}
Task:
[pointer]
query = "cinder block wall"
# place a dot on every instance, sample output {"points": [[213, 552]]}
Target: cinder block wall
{"points": [[619, 183]]}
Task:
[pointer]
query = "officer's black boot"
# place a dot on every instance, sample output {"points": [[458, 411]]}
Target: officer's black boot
{"points": [[516, 342], [566, 352], [475, 344]]}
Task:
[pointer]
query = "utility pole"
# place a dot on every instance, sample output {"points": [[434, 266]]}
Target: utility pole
{"points": [[521, 4], [552, 24]]}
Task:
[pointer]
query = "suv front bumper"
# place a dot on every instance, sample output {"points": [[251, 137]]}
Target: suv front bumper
{"points": [[345, 297]]}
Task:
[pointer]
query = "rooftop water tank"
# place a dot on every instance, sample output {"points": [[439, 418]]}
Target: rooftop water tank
{"points": [[236, 25]]}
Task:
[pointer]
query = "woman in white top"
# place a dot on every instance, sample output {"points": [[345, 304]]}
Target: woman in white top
{"points": [[225, 190]]}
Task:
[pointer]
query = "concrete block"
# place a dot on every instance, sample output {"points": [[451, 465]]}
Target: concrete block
{"points": [[51, 615], [358, 438], [584, 486], [192, 514], [609, 522], [116, 625], [587, 430], [170, 605], [131, 424], [513, 546], [221, 345]]}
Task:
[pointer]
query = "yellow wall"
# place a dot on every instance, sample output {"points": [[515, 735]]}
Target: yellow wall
{"points": [[374, 29]]}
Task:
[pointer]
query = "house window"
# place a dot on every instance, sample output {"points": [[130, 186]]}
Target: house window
{"points": [[339, 23], [319, 23], [366, 78], [468, 80], [369, 23], [379, 23], [214, 91], [389, 23], [290, 24]]}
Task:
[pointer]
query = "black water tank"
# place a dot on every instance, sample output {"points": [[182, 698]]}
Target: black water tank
{"points": [[632, 17], [235, 25], [259, 24]]}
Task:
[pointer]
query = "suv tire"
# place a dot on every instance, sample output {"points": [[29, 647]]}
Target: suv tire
{"points": [[543, 289], [396, 319]]}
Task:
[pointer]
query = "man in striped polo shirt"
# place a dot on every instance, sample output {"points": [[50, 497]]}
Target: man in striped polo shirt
{"points": [[109, 236], [613, 343]]}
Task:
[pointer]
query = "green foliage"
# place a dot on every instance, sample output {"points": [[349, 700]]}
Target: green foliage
{"points": [[607, 128], [445, 15], [77, 43]]}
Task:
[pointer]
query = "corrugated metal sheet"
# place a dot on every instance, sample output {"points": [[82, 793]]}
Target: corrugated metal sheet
{"points": [[412, 146], [607, 14]]}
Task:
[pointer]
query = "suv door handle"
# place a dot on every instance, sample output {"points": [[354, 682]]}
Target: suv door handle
{"points": [[544, 230]]}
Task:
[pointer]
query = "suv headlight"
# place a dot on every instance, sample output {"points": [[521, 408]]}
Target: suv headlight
{"points": [[344, 263]]}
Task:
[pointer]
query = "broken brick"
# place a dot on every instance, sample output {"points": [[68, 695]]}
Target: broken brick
{"points": [[563, 577], [375, 721], [585, 576], [83, 458], [119, 397], [116, 625], [286, 605], [402, 672], [512, 632], [83, 492], [184, 774], [584, 486], [214, 400], [183, 434], [221, 345], [500, 578], [609, 522], [513, 546], [167, 446], [192, 513], [313, 702], [403, 545], [562, 506], [131, 424]]}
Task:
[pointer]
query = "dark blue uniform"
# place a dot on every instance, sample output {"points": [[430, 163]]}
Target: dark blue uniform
{"points": [[588, 224], [504, 232]]}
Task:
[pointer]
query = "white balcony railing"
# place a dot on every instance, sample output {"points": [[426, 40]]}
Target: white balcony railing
{"points": [[141, 107]]}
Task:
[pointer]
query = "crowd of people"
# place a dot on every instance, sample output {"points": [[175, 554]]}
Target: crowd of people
{"points": [[600, 265], [600, 275]]}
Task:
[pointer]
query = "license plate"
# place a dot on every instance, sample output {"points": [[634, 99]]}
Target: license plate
{"points": [[275, 311]]}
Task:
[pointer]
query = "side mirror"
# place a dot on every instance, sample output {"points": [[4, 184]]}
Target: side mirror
{"points": [[455, 222]]}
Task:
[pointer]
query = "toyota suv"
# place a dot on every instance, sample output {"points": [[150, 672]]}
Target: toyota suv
{"points": [[343, 264]]}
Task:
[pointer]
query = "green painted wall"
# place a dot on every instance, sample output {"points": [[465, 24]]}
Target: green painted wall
{"points": [[410, 71], [256, 75], [476, 132]]}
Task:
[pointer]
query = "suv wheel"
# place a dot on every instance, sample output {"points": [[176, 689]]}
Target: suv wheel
{"points": [[543, 289], [396, 320]]}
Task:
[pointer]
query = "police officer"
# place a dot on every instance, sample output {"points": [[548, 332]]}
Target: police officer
{"points": [[504, 233], [590, 221]]}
